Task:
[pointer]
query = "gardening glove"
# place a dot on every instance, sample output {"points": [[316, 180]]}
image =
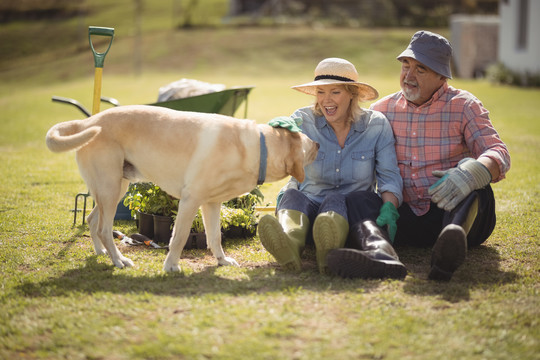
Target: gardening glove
{"points": [[292, 184], [456, 183], [286, 122], [388, 216]]}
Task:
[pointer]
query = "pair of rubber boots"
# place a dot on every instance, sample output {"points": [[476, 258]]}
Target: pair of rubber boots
{"points": [[371, 256], [284, 236], [369, 253]]}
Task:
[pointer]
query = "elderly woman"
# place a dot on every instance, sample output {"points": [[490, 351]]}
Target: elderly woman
{"points": [[356, 155]]}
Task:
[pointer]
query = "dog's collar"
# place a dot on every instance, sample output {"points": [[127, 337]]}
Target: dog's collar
{"points": [[262, 163]]}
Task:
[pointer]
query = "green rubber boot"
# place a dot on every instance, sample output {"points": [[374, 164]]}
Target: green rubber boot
{"points": [[285, 237], [330, 231]]}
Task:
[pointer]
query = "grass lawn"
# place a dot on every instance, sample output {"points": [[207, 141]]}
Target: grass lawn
{"points": [[60, 301]]}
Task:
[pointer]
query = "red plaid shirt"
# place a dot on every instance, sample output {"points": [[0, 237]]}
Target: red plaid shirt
{"points": [[452, 125]]}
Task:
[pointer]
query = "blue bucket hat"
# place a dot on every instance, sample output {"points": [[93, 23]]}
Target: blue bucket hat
{"points": [[432, 50]]}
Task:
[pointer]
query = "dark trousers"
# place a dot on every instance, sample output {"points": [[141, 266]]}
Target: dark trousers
{"points": [[296, 200], [362, 206], [424, 230]]}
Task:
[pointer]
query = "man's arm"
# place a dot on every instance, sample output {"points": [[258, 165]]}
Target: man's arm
{"points": [[491, 165]]}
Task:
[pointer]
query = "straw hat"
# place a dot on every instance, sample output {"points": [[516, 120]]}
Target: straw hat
{"points": [[338, 71]]}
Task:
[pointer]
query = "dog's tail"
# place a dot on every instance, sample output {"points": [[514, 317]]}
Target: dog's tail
{"points": [[70, 135]]}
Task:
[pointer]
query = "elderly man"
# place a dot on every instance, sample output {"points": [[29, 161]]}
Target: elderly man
{"points": [[448, 153]]}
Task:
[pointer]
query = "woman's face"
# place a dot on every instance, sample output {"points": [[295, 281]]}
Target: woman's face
{"points": [[334, 102]]}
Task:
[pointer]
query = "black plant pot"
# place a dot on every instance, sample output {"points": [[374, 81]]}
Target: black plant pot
{"points": [[195, 241], [162, 229], [239, 232], [200, 240], [146, 224]]}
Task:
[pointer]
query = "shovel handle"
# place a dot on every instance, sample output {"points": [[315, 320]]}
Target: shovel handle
{"points": [[99, 57]]}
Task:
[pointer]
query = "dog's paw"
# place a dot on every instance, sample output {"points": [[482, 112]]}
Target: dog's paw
{"points": [[127, 262], [227, 261], [123, 262], [101, 251], [172, 268]]}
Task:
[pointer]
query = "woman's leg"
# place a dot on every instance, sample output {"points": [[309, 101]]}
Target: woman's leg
{"points": [[363, 205], [284, 236], [368, 252], [330, 228]]}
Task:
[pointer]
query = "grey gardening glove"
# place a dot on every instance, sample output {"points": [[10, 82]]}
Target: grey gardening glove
{"points": [[456, 183], [286, 122]]}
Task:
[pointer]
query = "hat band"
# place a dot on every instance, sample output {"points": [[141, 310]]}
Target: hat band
{"points": [[333, 77]]}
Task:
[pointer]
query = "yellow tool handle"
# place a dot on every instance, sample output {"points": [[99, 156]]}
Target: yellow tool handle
{"points": [[97, 90]]}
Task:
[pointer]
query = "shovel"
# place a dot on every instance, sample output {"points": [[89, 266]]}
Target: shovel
{"points": [[99, 59]]}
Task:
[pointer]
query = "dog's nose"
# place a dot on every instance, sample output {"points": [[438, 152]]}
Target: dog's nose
{"points": [[318, 145]]}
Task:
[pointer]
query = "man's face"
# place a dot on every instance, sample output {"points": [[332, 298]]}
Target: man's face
{"points": [[418, 82]]}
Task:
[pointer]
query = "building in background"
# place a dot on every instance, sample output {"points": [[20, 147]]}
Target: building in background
{"points": [[509, 40], [475, 41], [519, 35]]}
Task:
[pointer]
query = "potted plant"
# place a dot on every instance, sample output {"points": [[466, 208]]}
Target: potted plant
{"points": [[238, 216], [197, 236], [163, 207], [241, 220], [136, 200], [148, 199]]}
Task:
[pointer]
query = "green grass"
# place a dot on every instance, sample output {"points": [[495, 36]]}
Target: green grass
{"points": [[60, 301]]}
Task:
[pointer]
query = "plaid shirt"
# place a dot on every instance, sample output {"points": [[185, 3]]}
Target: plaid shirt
{"points": [[452, 125]]}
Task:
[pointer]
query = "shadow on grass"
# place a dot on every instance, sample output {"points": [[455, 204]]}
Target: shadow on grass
{"points": [[78, 233], [481, 269], [98, 276]]}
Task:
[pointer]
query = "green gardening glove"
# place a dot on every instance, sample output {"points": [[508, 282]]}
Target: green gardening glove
{"points": [[286, 122], [388, 216]]}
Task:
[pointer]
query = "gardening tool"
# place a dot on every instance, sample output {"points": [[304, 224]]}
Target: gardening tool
{"points": [[99, 59], [136, 240]]}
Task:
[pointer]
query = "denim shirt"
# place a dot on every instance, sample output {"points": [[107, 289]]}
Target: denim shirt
{"points": [[366, 162]]}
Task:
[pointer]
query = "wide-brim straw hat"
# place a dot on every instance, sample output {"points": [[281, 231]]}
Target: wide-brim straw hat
{"points": [[338, 71]]}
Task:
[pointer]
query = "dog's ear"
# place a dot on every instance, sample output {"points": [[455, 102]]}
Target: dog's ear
{"points": [[294, 163]]}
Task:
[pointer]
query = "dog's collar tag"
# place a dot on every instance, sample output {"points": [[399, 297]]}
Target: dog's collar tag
{"points": [[262, 163]]}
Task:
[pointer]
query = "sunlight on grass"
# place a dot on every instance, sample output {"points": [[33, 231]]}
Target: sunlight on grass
{"points": [[59, 300]]}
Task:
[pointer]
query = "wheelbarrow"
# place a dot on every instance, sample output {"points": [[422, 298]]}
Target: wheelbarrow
{"points": [[225, 102]]}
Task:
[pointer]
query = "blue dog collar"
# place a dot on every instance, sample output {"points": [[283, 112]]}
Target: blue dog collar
{"points": [[262, 163]]}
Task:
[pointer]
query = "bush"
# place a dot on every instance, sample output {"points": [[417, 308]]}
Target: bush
{"points": [[499, 74]]}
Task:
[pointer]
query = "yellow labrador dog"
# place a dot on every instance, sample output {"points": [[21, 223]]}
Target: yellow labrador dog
{"points": [[202, 159]]}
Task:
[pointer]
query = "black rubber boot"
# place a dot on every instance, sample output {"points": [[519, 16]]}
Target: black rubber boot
{"points": [[368, 255], [450, 249], [448, 253]]}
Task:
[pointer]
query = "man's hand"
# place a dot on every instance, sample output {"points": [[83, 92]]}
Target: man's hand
{"points": [[456, 183], [388, 215], [287, 122]]}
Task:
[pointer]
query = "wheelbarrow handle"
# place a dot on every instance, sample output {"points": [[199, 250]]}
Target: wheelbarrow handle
{"points": [[99, 57], [72, 102]]}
